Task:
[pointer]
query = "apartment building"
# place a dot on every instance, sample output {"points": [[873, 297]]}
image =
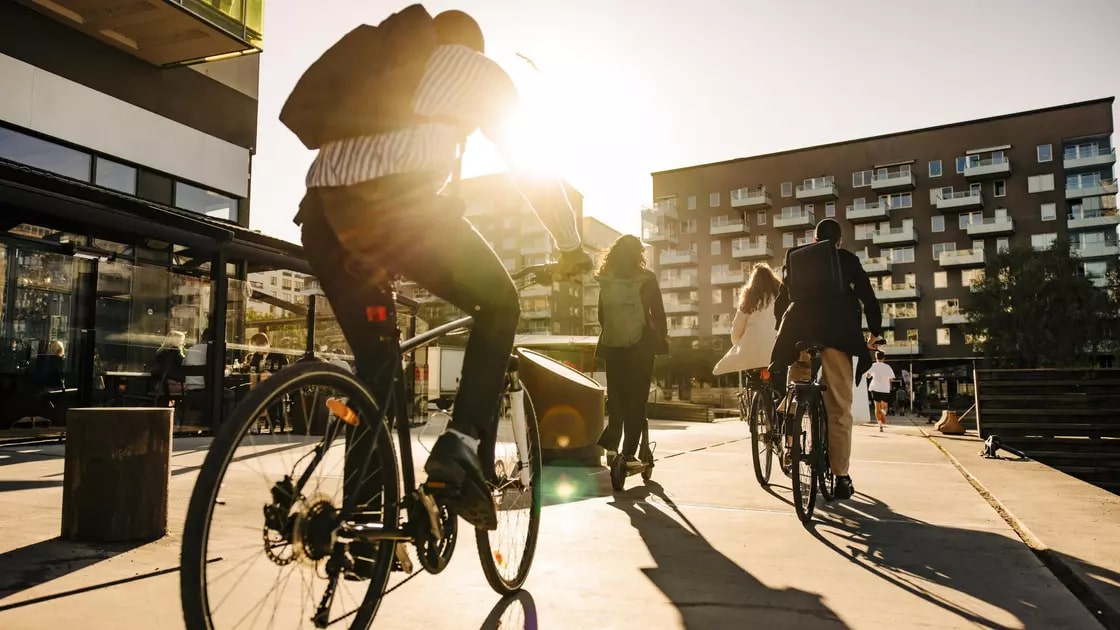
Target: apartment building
{"points": [[924, 209], [498, 211]]}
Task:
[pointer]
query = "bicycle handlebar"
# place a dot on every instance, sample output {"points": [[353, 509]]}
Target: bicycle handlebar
{"points": [[541, 274]]}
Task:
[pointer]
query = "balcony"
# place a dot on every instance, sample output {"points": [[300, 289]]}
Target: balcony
{"points": [[743, 198], [727, 277], [877, 266], [991, 226], [877, 211], [1099, 249], [1088, 157], [540, 313], [1091, 189], [164, 32], [590, 297], [903, 235], [683, 281], [820, 188], [794, 218], [900, 291], [682, 306], [684, 332], [1086, 219], [950, 316], [659, 235], [721, 329], [994, 167], [673, 257], [962, 258], [962, 200], [887, 321], [734, 226], [748, 250], [537, 290], [893, 180], [902, 348], [663, 209]]}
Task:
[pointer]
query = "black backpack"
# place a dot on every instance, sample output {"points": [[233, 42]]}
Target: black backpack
{"points": [[363, 84], [813, 273]]}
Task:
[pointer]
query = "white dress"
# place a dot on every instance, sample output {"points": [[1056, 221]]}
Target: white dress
{"points": [[752, 341]]}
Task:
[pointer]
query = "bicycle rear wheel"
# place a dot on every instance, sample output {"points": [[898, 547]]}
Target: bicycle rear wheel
{"points": [[804, 467], [760, 415], [260, 543], [506, 553], [825, 478]]}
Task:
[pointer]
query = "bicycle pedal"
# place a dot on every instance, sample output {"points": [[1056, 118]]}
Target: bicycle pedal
{"points": [[401, 561]]}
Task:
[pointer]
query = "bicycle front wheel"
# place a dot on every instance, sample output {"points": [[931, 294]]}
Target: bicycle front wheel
{"points": [[261, 544], [803, 457], [507, 552], [761, 416]]}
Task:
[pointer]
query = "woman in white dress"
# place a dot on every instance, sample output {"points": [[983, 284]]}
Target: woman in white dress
{"points": [[753, 330]]}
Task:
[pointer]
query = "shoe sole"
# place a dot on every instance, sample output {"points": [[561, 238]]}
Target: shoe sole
{"points": [[470, 501]]}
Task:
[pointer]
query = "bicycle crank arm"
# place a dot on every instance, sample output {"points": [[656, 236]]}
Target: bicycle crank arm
{"points": [[370, 532]]}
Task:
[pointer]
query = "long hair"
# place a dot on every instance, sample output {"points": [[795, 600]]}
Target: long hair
{"points": [[625, 257], [760, 290]]}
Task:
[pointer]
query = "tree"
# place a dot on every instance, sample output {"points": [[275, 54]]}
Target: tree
{"points": [[1036, 309]]}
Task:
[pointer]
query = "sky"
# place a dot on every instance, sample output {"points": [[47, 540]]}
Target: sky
{"points": [[628, 87]]}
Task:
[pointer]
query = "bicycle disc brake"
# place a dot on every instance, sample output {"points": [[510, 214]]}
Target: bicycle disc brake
{"points": [[436, 530]]}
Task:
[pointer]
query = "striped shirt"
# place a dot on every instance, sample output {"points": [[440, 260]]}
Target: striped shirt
{"points": [[458, 85]]}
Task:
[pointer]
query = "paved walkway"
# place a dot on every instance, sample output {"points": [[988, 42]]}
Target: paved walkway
{"points": [[701, 546]]}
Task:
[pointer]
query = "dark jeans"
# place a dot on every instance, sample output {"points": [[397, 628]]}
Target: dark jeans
{"points": [[629, 371], [397, 224]]}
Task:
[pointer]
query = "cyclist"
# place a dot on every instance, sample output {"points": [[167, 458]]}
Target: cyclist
{"points": [[373, 204], [832, 320]]}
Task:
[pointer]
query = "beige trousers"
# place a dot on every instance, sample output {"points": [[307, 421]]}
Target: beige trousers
{"points": [[837, 376]]}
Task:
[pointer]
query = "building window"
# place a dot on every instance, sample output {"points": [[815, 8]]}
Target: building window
{"points": [[943, 337], [940, 279], [787, 189], [1003, 244], [787, 240], [935, 168], [114, 176], [688, 226], [1000, 187], [962, 162], [692, 202], [713, 200], [830, 209], [864, 231], [1040, 183], [204, 201], [862, 179], [937, 223], [715, 248], [1043, 241], [897, 200], [760, 218], [970, 276], [1049, 211], [717, 296], [965, 219], [939, 248], [1045, 152], [44, 155], [899, 255]]}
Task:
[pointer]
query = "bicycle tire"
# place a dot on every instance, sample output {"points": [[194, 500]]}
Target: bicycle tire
{"points": [[826, 480], [200, 513], [763, 460], [490, 558], [804, 470]]}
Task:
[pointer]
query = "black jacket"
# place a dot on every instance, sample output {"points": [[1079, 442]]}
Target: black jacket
{"points": [[833, 322]]}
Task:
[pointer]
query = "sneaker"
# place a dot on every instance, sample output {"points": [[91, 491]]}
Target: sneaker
{"points": [[880, 428], [455, 475], [844, 488]]}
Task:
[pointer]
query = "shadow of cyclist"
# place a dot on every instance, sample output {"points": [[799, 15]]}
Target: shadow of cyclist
{"points": [[708, 588]]}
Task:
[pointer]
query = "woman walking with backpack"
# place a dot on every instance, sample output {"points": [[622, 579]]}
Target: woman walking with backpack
{"points": [[632, 318]]}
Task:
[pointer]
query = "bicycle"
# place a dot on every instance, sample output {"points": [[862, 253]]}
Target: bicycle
{"points": [[809, 448], [758, 407], [347, 525]]}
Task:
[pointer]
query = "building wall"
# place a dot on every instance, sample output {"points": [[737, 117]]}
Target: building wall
{"points": [[1019, 133]]}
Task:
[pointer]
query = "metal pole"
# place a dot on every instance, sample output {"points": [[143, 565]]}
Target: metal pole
{"points": [[216, 351]]}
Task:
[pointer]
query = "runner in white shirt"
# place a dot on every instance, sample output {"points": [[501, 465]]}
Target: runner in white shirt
{"points": [[880, 376]]}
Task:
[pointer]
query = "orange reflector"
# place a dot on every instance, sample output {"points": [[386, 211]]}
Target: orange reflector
{"points": [[436, 484], [499, 558], [344, 413], [764, 374]]}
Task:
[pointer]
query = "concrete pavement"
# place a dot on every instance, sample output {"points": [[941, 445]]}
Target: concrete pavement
{"points": [[700, 546]]}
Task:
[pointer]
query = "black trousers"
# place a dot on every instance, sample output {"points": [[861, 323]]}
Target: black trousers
{"points": [[629, 371], [397, 224]]}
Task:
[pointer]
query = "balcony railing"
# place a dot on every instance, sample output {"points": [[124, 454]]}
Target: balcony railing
{"points": [[536, 290], [818, 188], [685, 281], [751, 249], [988, 226], [1091, 188], [660, 209], [902, 348], [961, 200], [728, 227], [682, 306], [899, 179], [673, 257], [684, 332], [743, 198], [878, 265], [887, 321], [988, 168], [539, 313], [877, 211], [962, 258], [900, 291], [726, 277], [721, 328], [953, 316], [792, 217], [1097, 249], [896, 235], [659, 235], [166, 32], [1086, 157], [1083, 219]]}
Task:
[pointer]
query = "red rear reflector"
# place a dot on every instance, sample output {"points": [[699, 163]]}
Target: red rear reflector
{"points": [[764, 374], [376, 314]]}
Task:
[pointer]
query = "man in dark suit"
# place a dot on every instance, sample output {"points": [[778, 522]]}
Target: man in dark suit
{"points": [[832, 319]]}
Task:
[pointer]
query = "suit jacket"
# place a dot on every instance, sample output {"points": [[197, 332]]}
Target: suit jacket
{"points": [[833, 321]]}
